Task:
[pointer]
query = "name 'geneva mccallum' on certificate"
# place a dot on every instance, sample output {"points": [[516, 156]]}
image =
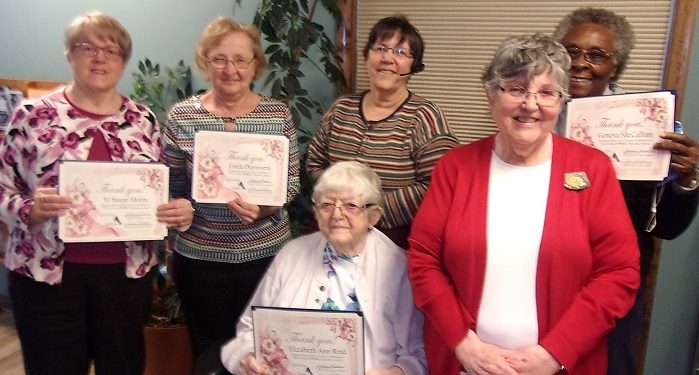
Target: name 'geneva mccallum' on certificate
{"points": [[625, 127]]}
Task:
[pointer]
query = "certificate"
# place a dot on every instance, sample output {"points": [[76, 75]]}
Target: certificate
{"points": [[228, 165], [625, 127], [309, 342], [112, 201]]}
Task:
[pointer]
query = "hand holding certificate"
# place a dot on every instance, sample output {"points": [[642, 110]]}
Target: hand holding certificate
{"points": [[228, 165], [112, 201], [309, 342], [625, 127]]}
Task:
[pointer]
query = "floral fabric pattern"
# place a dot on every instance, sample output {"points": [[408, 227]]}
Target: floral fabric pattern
{"points": [[40, 135], [341, 291]]}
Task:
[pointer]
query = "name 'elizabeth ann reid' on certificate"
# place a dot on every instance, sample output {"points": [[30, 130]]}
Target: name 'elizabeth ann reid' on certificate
{"points": [[309, 342]]}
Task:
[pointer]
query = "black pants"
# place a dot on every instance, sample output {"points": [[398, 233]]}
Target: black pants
{"points": [[214, 295], [96, 313]]}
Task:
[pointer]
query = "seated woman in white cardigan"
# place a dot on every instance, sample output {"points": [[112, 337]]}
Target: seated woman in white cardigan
{"points": [[347, 265]]}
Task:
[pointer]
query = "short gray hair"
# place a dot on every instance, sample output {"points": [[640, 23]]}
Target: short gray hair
{"points": [[526, 56], [624, 36], [353, 177]]}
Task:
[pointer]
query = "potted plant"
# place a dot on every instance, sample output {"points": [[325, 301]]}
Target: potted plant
{"points": [[167, 342], [293, 37], [160, 89]]}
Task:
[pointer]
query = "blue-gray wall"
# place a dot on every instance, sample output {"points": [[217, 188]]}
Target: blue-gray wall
{"points": [[675, 320]]}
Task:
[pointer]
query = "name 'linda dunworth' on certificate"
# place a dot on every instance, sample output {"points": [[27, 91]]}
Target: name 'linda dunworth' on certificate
{"points": [[228, 165], [625, 127], [112, 201], [309, 342]]}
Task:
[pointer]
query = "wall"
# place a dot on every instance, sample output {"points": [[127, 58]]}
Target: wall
{"points": [[164, 31], [675, 319]]}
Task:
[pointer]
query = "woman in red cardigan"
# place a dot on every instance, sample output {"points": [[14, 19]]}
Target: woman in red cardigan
{"points": [[522, 254]]}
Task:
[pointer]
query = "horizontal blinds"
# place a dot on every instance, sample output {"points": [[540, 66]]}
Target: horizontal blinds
{"points": [[461, 37]]}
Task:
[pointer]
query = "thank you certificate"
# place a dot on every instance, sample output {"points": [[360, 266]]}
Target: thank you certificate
{"points": [[112, 201], [309, 342], [228, 165], [625, 127]]}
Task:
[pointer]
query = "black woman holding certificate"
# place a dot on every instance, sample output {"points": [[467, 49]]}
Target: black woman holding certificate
{"points": [[348, 265], [76, 303], [599, 43], [221, 258]]}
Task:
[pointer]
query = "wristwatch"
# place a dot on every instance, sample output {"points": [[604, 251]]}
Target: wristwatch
{"points": [[693, 183]]}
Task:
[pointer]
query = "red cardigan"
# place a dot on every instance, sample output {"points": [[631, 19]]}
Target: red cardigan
{"points": [[587, 273]]}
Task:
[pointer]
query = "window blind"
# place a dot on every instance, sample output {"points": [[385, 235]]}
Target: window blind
{"points": [[461, 37]]}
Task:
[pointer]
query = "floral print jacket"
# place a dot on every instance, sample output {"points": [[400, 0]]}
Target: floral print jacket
{"points": [[43, 132]]}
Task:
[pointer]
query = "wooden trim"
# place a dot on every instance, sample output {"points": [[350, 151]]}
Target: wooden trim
{"points": [[345, 40], [30, 87], [679, 51], [675, 77]]}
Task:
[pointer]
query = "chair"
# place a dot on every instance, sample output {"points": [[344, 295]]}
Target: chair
{"points": [[209, 361]]}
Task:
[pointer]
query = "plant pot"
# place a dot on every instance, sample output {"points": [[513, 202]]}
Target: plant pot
{"points": [[168, 351]]}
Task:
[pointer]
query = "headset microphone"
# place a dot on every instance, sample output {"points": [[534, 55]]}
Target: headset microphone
{"points": [[414, 69]]}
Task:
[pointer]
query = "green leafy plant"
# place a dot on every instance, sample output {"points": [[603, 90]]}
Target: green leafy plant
{"points": [[159, 88], [293, 37]]}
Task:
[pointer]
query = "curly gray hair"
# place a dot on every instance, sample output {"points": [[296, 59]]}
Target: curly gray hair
{"points": [[624, 37], [526, 56]]}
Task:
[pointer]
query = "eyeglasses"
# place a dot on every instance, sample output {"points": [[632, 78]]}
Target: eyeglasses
{"points": [[348, 208], [593, 56], [220, 62], [87, 50], [398, 51], [544, 98]]}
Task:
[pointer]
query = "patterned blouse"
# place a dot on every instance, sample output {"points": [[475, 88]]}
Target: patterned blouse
{"points": [[216, 234], [342, 273], [402, 149], [43, 132]]}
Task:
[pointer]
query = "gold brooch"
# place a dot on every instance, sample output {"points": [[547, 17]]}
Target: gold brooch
{"points": [[576, 181]]}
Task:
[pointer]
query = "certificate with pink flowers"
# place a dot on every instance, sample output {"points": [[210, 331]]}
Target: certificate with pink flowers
{"points": [[112, 201], [228, 165], [309, 342], [625, 127]]}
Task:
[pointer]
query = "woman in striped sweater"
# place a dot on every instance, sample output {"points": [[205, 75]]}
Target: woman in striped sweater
{"points": [[395, 132], [220, 259]]}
